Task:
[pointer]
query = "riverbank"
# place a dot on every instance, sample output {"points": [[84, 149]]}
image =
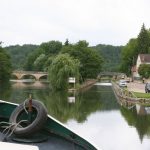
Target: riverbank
{"points": [[87, 83], [84, 86]]}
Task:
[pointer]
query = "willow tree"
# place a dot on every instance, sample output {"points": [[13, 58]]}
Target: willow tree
{"points": [[61, 68]]}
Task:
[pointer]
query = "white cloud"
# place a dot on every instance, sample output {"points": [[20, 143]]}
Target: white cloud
{"points": [[97, 21]]}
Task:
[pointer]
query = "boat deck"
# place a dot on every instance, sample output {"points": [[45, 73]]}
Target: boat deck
{"points": [[53, 135], [52, 143]]}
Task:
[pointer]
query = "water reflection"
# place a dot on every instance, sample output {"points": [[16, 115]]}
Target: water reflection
{"points": [[94, 110], [64, 105], [59, 107], [139, 118], [142, 110]]}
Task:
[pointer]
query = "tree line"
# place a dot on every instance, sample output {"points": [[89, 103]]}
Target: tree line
{"points": [[62, 61], [87, 61], [135, 46]]}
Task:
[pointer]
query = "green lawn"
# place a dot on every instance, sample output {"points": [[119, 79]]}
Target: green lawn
{"points": [[142, 95]]}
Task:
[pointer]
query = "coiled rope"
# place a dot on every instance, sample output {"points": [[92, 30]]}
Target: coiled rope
{"points": [[11, 127]]}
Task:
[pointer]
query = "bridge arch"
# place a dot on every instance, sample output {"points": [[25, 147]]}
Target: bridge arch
{"points": [[28, 76], [14, 76], [111, 74], [43, 77], [33, 74]]}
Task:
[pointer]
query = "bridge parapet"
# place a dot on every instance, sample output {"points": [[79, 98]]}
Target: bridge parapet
{"points": [[30, 72], [36, 75], [111, 74]]}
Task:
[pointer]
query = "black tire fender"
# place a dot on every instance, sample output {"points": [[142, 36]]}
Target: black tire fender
{"points": [[36, 125]]}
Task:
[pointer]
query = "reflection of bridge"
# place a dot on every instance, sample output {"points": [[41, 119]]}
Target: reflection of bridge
{"points": [[22, 74], [21, 85]]}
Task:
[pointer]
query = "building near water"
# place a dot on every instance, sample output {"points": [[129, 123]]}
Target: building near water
{"points": [[142, 59]]}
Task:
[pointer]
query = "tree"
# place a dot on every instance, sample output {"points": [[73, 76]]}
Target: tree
{"points": [[39, 63], [48, 62], [90, 59], [144, 70], [66, 42], [29, 65], [19, 54], [48, 49], [52, 47], [128, 56], [111, 56], [140, 45], [5, 66], [143, 41], [61, 68]]}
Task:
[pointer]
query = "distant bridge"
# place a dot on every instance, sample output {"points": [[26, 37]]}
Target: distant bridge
{"points": [[113, 74], [22, 74]]}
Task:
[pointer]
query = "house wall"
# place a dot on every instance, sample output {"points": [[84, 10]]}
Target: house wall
{"points": [[138, 63]]}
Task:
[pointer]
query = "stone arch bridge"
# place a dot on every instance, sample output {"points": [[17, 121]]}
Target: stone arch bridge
{"points": [[37, 75], [111, 74]]}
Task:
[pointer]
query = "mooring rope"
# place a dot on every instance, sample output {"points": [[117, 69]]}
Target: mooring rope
{"points": [[12, 127]]}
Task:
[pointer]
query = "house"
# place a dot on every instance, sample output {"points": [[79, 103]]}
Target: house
{"points": [[142, 59]]}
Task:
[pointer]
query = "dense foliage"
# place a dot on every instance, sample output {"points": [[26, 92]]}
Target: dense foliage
{"points": [[19, 54], [144, 70], [48, 55], [129, 56], [40, 59], [139, 45], [63, 67], [143, 41], [90, 59], [111, 55], [5, 66]]}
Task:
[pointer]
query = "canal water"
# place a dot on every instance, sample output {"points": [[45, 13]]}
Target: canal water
{"points": [[93, 113]]}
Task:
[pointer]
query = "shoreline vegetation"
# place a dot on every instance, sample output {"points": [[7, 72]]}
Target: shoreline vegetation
{"points": [[127, 98], [138, 88], [84, 86]]}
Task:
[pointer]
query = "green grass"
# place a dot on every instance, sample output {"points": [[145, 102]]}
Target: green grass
{"points": [[142, 95]]}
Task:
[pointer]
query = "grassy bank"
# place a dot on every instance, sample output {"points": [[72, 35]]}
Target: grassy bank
{"points": [[142, 95]]}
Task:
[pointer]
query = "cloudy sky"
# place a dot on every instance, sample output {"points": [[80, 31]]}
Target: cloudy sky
{"points": [[96, 21]]}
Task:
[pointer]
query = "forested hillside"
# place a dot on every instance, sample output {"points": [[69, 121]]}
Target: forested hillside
{"points": [[19, 54], [111, 55]]}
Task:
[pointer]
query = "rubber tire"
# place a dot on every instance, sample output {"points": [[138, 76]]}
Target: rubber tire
{"points": [[36, 125]]}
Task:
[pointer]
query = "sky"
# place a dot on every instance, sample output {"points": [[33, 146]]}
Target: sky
{"points": [[112, 22]]}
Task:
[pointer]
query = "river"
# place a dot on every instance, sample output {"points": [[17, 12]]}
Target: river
{"points": [[93, 113]]}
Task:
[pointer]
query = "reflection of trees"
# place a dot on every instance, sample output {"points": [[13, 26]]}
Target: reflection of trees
{"points": [[58, 106], [141, 122], [87, 102], [5, 90], [95, 99], [106, 97]]}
